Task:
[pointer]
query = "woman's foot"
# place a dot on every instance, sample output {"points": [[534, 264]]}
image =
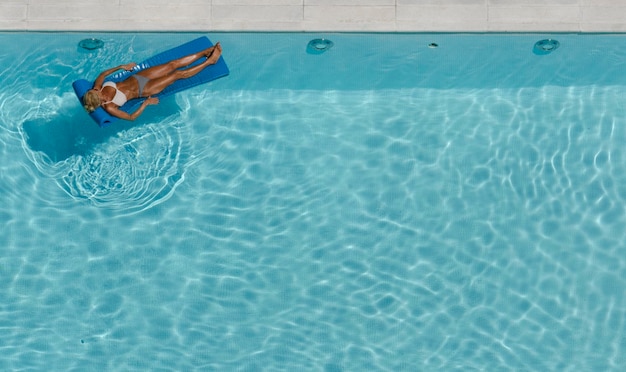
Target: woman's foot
{"points": [[208, 51], [215, 53]]}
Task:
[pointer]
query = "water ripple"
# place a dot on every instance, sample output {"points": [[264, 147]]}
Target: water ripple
{"points": [[134, 171]]}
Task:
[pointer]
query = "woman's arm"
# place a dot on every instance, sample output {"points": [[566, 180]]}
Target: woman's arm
{"points": [[100, 79], [126, 116]]}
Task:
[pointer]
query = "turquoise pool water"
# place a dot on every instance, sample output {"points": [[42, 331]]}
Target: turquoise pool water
{"points": [[383, 206]]}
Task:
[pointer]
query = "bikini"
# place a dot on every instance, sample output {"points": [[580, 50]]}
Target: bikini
{"points": [[120, 98], [142, 81]]}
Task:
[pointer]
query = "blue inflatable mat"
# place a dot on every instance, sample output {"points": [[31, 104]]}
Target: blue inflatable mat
{"points": [[210, 73]]}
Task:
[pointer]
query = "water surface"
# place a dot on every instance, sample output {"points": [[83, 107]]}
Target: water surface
{"points": [[383, 206]]}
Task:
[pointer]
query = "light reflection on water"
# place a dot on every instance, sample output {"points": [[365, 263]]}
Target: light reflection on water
{"points": [[282, 229]]}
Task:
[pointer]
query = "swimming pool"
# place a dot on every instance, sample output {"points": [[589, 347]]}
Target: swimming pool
{"points": [[383, 206]]}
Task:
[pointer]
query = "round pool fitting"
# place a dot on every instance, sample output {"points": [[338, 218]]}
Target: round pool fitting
{"points": [[318, 46], [546, 46], [91, 44]]}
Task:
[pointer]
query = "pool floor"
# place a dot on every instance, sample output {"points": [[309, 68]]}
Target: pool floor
{"points": [[389, 222]]}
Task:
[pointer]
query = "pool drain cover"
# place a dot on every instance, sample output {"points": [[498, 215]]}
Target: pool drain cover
{"points": [[91, 44], [318, 46], [546, 46]]}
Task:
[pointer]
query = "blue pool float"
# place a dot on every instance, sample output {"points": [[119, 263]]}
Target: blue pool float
{"points": [[218, 70]]}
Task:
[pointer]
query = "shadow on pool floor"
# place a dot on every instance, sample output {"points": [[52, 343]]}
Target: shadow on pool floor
{"points": [[72, 132]]}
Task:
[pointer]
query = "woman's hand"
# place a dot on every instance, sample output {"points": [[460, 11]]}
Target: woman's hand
{"points": [[100, 79], [129, 66], [123, 115], [152, 101]]}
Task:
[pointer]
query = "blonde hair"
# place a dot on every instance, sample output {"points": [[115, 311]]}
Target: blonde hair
{"points": [[91, 101]]}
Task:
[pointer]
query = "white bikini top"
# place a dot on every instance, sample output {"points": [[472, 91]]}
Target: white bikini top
{"points": [[120, 98]]}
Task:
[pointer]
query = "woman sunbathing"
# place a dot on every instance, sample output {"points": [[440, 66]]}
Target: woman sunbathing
{"points": [[146, 83]]}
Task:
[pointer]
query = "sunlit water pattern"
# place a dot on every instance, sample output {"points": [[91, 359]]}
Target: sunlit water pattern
{"points": [[383, 206]]}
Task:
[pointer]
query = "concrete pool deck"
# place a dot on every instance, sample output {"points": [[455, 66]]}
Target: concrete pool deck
{"points": [[315, 15]]}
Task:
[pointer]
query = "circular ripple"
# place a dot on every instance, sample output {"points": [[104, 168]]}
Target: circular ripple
{"points": [[134, 171]]}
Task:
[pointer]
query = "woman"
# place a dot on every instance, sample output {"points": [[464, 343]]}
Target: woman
{"points": [[146, 83]]}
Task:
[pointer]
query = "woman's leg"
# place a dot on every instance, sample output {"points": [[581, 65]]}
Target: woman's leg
{"points": [[156, 85], [167, 68]]}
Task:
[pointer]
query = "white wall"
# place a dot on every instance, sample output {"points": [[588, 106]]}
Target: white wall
{"points": [[315, 15]]}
